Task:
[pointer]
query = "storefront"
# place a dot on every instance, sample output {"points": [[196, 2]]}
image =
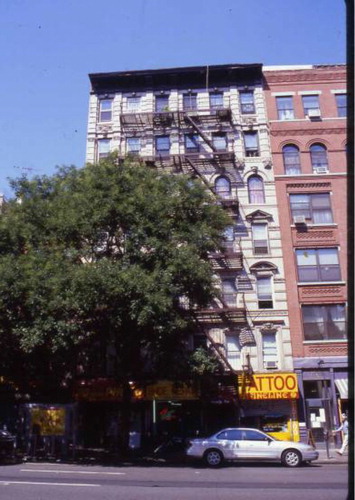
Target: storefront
{"points": [[323, 387], [269, 403]]}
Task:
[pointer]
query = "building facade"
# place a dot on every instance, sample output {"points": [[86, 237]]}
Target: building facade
{"points": [[211, 123], [307, 110]]}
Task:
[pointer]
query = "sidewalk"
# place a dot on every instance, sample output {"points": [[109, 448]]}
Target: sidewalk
{"points": [[334, 458]]}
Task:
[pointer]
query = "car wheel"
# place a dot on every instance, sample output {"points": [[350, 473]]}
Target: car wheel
{"points": [[213, 458], [291, 458]]}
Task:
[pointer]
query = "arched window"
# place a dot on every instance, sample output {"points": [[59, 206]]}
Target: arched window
{"points": [[223, 187], [319, 157], [291, 156], [256, 189]]}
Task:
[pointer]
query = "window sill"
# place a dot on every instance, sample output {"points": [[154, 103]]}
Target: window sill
{"points": [[311, 224], [326, 283], [307, 342]]}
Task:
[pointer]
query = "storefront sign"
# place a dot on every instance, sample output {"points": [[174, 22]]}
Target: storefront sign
{"points": [[95, 390], [165, 390], [268, 386]]}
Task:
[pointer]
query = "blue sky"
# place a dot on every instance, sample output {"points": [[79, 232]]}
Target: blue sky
{"points": [[48, 47]]}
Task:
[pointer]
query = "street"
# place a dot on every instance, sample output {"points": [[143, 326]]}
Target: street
{"points": [[54, 481]]}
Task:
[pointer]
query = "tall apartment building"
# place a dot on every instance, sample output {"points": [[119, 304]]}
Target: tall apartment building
{"points": [[307, 111], [211, 123]]}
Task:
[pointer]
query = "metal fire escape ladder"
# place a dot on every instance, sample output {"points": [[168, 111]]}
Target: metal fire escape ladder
{"points": [[195, 169], [200, 132], [217, 349]]}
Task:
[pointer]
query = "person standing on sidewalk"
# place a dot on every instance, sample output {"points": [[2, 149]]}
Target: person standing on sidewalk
{"points": [[344, 428]]}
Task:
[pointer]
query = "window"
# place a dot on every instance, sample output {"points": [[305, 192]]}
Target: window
{"points": [[189, 102], [320, 264], [269, 348], [133, 145], [230, 435], [251, 435], [285, 108], [223, 187], [291, 158], [319, 157], [264, 292], [133, 103], [216, 100], [251, 144], [260, 239], [341, 100], [103, 148], [256, 190], [105, 110], [229, 292], [219, 141], [313, 207], [162, 145], [311, 105], [326, 322], [233, 351], [228, 237], [247, 102], [161, 103], [192, 144]]}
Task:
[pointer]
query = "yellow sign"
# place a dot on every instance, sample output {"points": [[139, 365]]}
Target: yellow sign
{"points": [[165, 390], [48, 421], [268, 386]]}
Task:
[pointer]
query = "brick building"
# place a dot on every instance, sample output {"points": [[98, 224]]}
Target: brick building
{"points": [[210, 122], [307, 110]]}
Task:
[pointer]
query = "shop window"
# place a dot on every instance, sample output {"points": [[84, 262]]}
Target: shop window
{"points": [[103, 148], [247, 105], [260, 239], [251, 144], [324, 322], [319, 158], [223, 187], [256, 190], [315, 208], [291, 159], [318, 264], [105, 114], [264, 292], [285, 108]]}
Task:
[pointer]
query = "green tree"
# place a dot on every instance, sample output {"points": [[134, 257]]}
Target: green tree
{"points": [[110, 254]]}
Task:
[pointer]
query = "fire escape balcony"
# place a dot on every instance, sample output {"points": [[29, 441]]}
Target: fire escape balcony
{"points": [[226, 310], [139, 121], [227, 259]]}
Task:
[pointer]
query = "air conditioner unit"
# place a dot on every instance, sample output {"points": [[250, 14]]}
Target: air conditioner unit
{"points": [[321, 170], [314, 113], [269, 365], [299, 219]]}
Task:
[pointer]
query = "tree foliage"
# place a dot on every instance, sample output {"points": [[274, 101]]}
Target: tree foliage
{"points": [[110, 254]]}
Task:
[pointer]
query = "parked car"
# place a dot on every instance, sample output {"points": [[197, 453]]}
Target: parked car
{"points": [[7, 445], [249, 444]]}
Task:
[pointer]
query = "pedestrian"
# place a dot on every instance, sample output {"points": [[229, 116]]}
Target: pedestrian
{"points": [[344, 428]]}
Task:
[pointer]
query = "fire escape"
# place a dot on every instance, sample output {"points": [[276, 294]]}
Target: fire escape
{"points": [[206, 128]]}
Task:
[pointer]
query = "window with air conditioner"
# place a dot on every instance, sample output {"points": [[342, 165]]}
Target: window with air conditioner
{"points": [[314, 208], [319, 157], [311, 105], [269, 350]]}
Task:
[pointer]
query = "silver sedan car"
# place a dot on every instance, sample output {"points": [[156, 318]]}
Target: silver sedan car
{"points": [[249, 444]]}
